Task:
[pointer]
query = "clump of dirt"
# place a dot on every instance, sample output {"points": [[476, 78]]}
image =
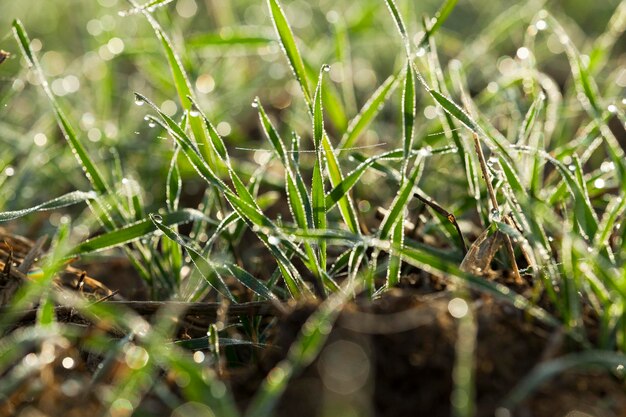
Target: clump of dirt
{"points": [[394, 356]]}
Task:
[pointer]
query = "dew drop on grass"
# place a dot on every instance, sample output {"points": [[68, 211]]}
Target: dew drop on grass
{"points": [[494, 215], [326, 68], [541, 24], [158, 218], [425, 151], [139, 101], [194, 112], [607, 166], [255, 103], [599, 183]]}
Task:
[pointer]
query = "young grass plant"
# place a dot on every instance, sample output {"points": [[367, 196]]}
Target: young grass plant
{"points": [[551, 187]]}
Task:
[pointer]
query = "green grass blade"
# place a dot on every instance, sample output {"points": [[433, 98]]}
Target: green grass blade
{"points": [[454, 110], [397, 18], [198, 260], [318, 195], [174, 183], [408, 114], [341, 189], [368, 112], [85, 161], [289, 47], [395, 260], [133, 232], [399, 203], [272, 134], [345, 202], [529, 120], [609, 221], [182, 84], [245, 208], [65, 200], [238, 37], [248, 280], [440, 17]]}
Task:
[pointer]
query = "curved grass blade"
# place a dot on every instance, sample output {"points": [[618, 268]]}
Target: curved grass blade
{"points": [[299, 201], [289, 47], [368, 112], [134, 232], [272, 134], [65, 200], [440, 17], [353, 177], [87, 164], [585, 215], [455, 111], [182, 84], [247, 210], [198, 260], [397, 18]]}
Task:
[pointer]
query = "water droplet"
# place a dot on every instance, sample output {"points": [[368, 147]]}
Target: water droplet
{"points": [[541, 24], [571, 168], [426, 151], [612, 108], [255, 103], [326, 68], [599, 183], [494, 215], [151, 123], [273, 240], [139, 100], [193, 111], [420, 52], [157, 218]]}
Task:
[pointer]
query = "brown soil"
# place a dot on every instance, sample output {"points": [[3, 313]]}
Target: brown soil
{"points": [[394, 357]]}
